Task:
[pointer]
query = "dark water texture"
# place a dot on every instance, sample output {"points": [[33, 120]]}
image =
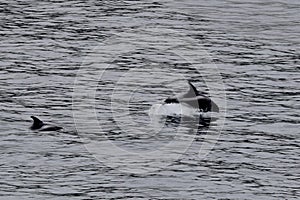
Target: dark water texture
{"points": [[254, 44]]}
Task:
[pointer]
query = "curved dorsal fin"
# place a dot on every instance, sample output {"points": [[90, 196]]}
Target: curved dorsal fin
{"points": [[37, 123], [193, 89], [192, 92]]}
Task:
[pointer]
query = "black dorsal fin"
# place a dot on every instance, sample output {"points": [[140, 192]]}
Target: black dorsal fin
{"points": [[192, 92], [37, 123], [193, 89]]}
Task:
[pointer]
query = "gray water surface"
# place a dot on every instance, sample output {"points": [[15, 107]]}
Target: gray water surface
{"points": [[253, 44]]}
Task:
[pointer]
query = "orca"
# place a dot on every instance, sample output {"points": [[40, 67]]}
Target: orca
{"points": [[190, 104], [194, 99], [38, 125]]}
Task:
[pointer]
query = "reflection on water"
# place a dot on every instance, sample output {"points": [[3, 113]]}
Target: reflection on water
{"points": [[255, 46]]}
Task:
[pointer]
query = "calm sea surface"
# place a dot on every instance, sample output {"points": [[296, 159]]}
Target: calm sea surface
{"points": [[97, 67]]}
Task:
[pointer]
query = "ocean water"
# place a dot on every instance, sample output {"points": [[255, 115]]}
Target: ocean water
{"points": [[97, 67]]}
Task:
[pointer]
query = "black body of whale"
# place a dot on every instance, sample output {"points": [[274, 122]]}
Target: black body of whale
{"points": [[195, 99]]}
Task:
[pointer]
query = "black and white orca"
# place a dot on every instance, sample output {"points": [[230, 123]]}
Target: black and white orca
{"points": [[191, 103], [194, 99], [38, 125]]}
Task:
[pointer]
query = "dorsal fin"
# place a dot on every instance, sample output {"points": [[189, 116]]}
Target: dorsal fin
{"points": [[37, 123], [192, 92], [193, 89]]}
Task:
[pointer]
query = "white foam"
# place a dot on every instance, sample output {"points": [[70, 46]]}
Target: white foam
{"points": [[174, 109], [171, 109]]}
